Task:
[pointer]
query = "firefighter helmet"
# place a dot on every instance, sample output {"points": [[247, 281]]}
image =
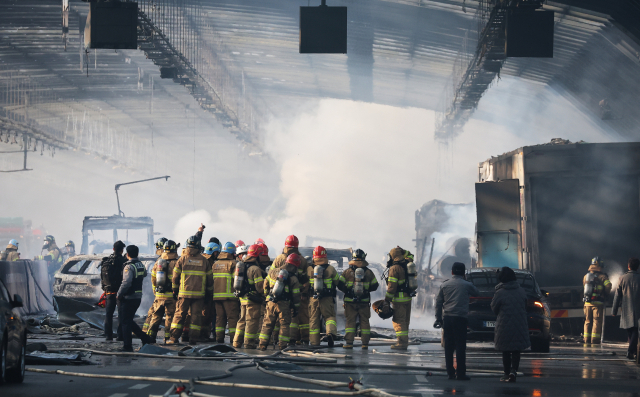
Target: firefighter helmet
{"points": [[291, 242], [254, 251], [13, 244], [359, 254], [597, 261], [242, 250], [229, 248], [193, 242], [258, 241], [294, 259], [239, 243], [264, 250], [383, 308], [160, 243], [211, 248], [170, 246], [69, 244], [319, 252]]}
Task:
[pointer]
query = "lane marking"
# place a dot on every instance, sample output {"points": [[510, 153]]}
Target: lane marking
{"points": [[119, 395], [175, 368], [421, 378], [140, 386]]}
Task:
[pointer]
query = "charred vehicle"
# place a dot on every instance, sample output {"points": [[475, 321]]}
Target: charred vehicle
{"points": [[79, 279], [13, 337]]}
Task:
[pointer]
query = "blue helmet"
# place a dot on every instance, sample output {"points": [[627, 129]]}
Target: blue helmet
{"points": [[13, 244], [229, 248], [211, 248]]}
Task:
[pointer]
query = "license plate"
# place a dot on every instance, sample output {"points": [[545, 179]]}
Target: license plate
{"points": [[489, 324]]}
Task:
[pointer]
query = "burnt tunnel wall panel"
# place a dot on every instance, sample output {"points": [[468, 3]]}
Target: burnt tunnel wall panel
{"points": [[582, 217]]}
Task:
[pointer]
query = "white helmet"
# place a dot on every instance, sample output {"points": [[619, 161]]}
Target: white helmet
{"points": [[243, 249]]}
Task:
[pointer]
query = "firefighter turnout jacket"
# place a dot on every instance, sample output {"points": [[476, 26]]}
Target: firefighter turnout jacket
{"points": [[396, 284], [292, 286], [223, 270], [254, 282], [10, 254], [330, 277], [348, 279], [192, 275], [167, 260], [602, 286], [301, 273]]}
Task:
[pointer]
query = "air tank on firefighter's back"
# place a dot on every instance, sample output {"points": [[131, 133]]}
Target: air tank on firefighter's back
{"points": [[459, 251]]}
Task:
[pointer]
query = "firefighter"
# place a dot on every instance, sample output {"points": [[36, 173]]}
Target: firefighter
{"points": [[323, 302], [299, 331], [159, 251], [192, 285], [399, 293], [357, 283], [596, 288], [161, 280], [160, 245], [264, 259], [283, 293], [11, 252], [211, 252], [251, 294], [53, 256], [69, 250], [227, 305]]}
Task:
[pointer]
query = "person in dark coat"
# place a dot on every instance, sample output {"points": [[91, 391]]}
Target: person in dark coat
{"points": [[628, 298], [512, 329]]}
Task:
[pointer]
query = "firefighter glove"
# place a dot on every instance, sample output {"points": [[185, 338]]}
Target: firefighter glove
{"points": [[175, 294], [437, 324], [294, 312]]}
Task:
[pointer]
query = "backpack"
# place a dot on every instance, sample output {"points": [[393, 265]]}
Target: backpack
{"points": [[110, 274]]}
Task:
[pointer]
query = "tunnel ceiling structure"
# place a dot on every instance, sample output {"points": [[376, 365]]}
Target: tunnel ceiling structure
{"points": [[245, 67]]}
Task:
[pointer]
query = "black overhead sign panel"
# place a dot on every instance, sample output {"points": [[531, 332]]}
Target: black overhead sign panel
{"points": [[323, 30]]}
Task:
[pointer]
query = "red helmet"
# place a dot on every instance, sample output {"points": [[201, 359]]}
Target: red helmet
{"points": [[291, 242], [264, 248], [239, 243], [254, 251], [319, 252], [258, 241], [294, 259]]}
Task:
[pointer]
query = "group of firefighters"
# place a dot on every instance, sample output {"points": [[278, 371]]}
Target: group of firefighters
{"points": [[211, 288], [54, 254]]}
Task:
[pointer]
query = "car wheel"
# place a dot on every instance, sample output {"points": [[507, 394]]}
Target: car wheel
{"points": [[16, 375], [540, 345], [3, 360]]}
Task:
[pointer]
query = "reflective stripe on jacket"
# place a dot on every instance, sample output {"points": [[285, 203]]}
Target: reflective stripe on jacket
{"points": [[291, 289], [602, 286], [397, 279], [172, 259], [330, 277], [192, 275], [223, 272], [348, 279], [255, 279]]}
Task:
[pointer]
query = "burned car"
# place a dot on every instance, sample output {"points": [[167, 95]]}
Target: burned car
{"points": [[79, 279]]}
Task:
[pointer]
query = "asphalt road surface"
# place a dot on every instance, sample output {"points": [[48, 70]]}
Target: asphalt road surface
{"points": [[568, 370]]}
